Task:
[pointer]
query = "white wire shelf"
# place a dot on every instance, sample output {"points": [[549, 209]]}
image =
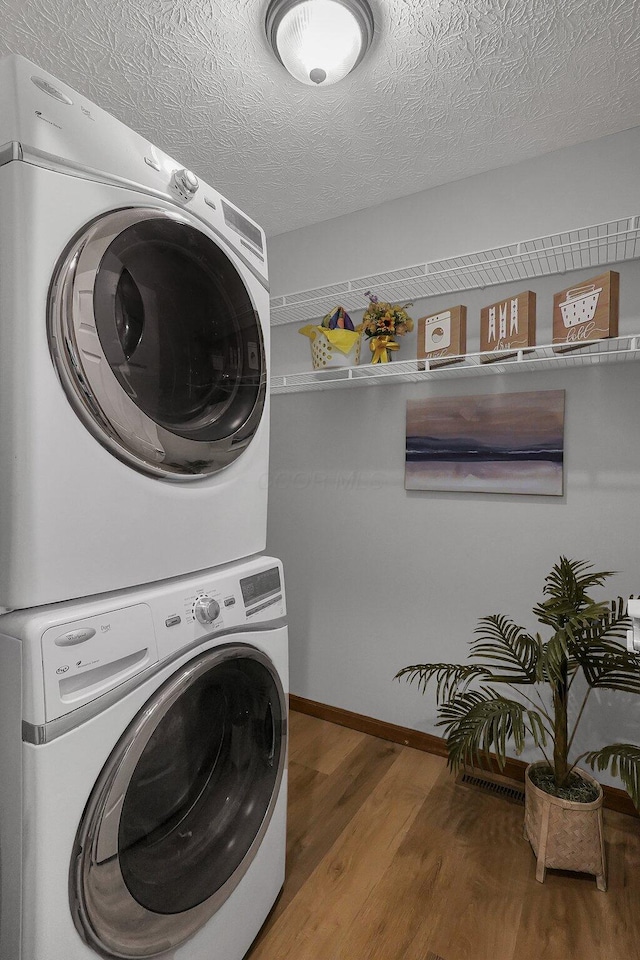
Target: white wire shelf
{"points": [[594, 246], [546, 357]]}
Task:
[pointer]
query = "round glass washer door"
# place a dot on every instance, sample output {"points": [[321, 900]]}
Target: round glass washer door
{"points": [[181, 806], [157, 343]]}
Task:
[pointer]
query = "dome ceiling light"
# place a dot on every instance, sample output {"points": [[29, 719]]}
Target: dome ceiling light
{"points": [[319, 41]]}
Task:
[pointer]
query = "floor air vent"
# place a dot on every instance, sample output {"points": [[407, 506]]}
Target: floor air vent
{"points": [[491, 783]]}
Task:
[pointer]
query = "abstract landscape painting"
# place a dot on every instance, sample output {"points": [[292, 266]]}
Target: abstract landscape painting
{"points": [[499, 443]]}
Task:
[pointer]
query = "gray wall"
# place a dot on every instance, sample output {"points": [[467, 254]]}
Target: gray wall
{"points": [[378, 577], [575, 187]]}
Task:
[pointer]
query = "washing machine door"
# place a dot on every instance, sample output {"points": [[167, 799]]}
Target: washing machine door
{"points": [[181, 806], [157, 343]]}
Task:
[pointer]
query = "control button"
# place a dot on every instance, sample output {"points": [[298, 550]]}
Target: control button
{"points": [[50, 90], [229, 601], [184, 183], [151, 158], [172, 621], [206, 609], [72, 637]]}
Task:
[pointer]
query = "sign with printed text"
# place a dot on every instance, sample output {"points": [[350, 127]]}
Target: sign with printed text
{"points": [[587, 311], [508, 325], [442, 337]]}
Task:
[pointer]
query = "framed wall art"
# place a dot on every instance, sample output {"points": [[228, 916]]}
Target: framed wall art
{"points": [[508, 325], [498, 443], [587, 311], [442, 337]]}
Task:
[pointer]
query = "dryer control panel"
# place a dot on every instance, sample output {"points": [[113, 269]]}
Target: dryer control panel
{"points": [[41, 112]]}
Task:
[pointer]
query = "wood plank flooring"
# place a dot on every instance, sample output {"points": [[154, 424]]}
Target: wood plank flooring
{"points": [[389, 859]]}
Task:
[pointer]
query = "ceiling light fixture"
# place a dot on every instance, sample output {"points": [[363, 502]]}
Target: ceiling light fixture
{"points": [[319, 41]]}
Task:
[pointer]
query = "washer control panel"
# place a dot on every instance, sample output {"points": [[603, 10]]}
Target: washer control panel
{"points": [[84, 659], [219, 601], [74, 652], [206, 609]]}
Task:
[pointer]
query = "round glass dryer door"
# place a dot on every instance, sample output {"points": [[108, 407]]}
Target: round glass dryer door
{"points": [[158, 344], [181, 806]]}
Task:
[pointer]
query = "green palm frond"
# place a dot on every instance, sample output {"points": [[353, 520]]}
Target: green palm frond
{"points": [[572, 644], [554, 658], [505, 643], [478, 722], [597, 648], [611, 624], [624, 761], [611, 669], [566, 589], [558, 615], [450, 677], [569, 580]]}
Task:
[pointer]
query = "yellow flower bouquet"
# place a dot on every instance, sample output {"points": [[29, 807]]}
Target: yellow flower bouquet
{"points": [[381, 322]]}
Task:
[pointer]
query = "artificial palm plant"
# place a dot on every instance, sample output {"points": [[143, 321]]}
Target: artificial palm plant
{"points": [[476, 705]]}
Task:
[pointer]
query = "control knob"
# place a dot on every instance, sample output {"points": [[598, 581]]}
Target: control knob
{"points": [[184, 183], [206, 609]]}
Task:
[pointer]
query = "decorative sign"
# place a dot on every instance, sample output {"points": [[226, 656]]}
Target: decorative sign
{"points": [[508, 325], [442, 337], [499, 443], [588, 311]]}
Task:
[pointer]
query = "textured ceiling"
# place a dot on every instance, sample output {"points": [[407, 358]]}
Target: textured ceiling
{"points": [[449, 88]]}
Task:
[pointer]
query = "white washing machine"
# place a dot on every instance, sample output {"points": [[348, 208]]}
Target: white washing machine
{"points": [[134, 350], [143, 769]]}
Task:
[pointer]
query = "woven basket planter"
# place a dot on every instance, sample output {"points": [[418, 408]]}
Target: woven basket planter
{"points": [[565, 835]]}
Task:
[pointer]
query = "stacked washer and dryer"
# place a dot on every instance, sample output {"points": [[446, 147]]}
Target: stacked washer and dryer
{"points": [[143, 637]]}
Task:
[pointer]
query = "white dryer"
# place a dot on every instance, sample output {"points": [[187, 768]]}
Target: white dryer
{"points": [[143, 775], [134, 350]]}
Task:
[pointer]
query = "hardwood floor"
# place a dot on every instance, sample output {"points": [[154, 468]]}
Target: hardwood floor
{"points": [[389, 859]]}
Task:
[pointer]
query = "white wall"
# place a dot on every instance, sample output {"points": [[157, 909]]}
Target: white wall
{"points": [[379, 577]]}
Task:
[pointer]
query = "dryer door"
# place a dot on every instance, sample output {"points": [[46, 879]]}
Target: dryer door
{"points": [[181, 806], [158, 344]]}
